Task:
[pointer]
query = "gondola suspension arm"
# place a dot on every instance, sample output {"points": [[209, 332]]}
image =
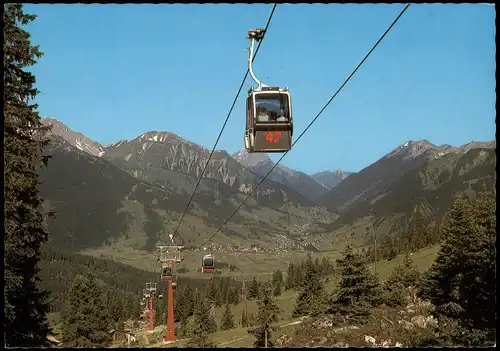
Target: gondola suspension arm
{"points": [[254, 35]]}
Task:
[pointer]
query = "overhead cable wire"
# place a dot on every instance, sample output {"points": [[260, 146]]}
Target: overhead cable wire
{"points": [[225, 122], [221, 131], [310, 124]]}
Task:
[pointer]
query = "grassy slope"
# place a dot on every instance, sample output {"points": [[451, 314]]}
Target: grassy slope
{"points": [[252, 263], [238, 337], [249, 263]]}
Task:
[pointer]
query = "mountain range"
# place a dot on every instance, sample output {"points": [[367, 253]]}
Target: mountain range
{"points": [[134, 192], [418, 176]]}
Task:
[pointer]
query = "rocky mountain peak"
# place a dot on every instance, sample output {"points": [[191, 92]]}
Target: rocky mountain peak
{"points": [[342, 174], [412, 149], [330, 179], [157, 136], [76, 139]]}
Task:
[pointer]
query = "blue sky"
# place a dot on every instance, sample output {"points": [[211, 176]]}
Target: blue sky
{"points": [[113, 72]]}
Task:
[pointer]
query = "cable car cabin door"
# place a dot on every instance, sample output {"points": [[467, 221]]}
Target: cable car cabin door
{"points": [[269, 125], [249, 125]]}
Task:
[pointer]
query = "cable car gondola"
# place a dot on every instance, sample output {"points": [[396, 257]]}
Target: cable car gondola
{"points": [[166, 272], [207, 264], [269, 124]]}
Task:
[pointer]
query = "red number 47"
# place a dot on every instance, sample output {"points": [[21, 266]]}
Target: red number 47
{"points": [[273, 137]]}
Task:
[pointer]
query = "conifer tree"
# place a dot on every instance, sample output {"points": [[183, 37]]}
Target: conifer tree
{"points": [[479, 276], [244, 320], [358, 290], [276, 277], [115, 303], [318, 266], [290, 276], [160, 307], [253, 289], [234, 295], [403, 276], [277, 289], [312, 296], [391, 253], [406, 272], [326, 266], [184, 305], [184, 309], [227, 319], [203, 324], [267, 315], [251, 319], [420, 232], [132, 307], [86, 320], [441, 285], [277, 282], [461, 283], [300, 273], [218, 298], [25, 303], [435, 234], [198, 297], [203, 320], [211, 290]]}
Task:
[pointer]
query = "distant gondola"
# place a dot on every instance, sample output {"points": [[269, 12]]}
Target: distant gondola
{"points": [[166, 272], [207, 264]]}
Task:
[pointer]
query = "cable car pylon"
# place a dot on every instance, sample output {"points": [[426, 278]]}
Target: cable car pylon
{"points": [[170, 256], [149, 294]]}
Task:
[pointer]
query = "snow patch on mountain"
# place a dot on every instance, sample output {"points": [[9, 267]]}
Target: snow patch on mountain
{"points": [[251, 159]]}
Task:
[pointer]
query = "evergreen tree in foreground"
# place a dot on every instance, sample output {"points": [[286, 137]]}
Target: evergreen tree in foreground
{"points": [[203, 324], [227, 319], [184, 308], [461, 283], [358, 290], [311, 299], [86, 319], [25, 304], [204, 321], [403, 276], [442, 282], [266, 317], [115, 303]]}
